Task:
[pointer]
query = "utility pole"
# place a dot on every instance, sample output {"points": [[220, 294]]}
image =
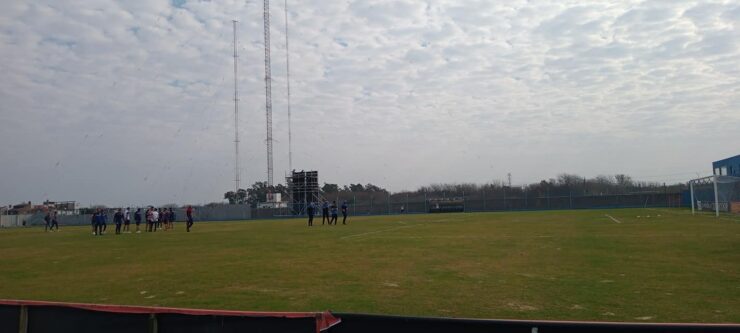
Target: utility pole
{"points": [[236, 117], [268, 91]]}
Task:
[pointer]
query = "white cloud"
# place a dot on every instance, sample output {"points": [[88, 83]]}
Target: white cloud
{"points": [[130, 102]]}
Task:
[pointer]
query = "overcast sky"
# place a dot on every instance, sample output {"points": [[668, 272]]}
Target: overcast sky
{"points": [[130, 102]]}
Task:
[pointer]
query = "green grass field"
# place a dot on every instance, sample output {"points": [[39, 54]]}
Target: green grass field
{"points": [[565, 265]]}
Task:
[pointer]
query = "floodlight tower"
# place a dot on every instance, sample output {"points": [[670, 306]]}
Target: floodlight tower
{"points": [[268, 91], [287, 64], [236, 118]]}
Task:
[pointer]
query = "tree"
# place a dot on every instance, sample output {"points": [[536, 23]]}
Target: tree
{"points": [[330, 188], [238, 198], [623, 180], [372, 188], [258, 193], [231, 196]]}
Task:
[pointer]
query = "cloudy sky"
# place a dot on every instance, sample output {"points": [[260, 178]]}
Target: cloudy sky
{"points": [[130, 102]]}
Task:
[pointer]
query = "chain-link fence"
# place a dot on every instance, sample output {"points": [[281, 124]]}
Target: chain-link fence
{"points": [[386, 204]]}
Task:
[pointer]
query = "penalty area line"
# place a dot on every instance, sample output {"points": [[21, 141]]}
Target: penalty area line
{"points": [[612, 218]]}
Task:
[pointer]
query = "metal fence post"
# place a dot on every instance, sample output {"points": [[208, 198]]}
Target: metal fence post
{"points": [[570, 199], [691, 186], [526, 205], [407, 203], [504, 197], [23, 320], [426, 210], [484, 200], [388, 202]]}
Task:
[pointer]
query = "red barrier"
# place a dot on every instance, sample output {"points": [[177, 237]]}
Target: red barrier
{"points": [[323, 320]]}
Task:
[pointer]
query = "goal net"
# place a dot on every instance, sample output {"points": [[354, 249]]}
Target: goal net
{"points": [[715, 194]]}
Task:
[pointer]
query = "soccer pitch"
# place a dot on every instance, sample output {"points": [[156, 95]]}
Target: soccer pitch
{"points": [[604, 265]]}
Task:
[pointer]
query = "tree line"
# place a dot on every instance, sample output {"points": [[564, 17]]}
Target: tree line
{"points": [[564, 184]]}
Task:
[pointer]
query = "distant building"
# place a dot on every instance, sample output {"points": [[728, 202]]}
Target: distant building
{"points": [[274, 200], [61, 206], [727, 167]]}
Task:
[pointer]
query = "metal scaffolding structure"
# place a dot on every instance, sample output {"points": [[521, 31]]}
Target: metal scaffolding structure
{"points": [[303, 188]]}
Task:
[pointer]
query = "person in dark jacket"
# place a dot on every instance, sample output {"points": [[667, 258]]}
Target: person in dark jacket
{"points": [[344, 212], [310, 211], [54, 221], [325, 212], [47, 221], [333, 213], [118, 220], [137, 219]]}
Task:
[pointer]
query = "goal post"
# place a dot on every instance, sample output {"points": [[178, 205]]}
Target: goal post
{"points": [[715, 193]]}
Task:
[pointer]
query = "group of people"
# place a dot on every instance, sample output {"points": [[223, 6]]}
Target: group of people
{"points": [[326, 208], [155, 219], [50, 221]]}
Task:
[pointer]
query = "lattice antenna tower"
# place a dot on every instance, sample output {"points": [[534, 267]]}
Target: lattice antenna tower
{"points": [[287, 64], [236, 116], [268, 91]]}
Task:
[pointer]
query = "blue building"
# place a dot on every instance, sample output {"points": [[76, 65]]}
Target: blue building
{"points": [[727, 167]]}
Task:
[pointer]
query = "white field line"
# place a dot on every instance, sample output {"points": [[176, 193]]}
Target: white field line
{"points": [[612, 218], [711, 215], [379, 231]]}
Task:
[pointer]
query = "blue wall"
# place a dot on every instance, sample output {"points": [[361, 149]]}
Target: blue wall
{"points": [[732, 164]]}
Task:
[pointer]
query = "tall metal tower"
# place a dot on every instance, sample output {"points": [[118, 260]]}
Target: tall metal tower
{"points": [[236, 117], [268, 91], [287, 64]]}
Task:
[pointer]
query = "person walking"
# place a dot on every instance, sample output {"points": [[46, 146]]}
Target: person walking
{"points": [[344, 212], [94, 221], [137, 219], [310, 211], [54, 221], [47, 221], [104, 220], [189, 215], [333, 213], [325, 212]]}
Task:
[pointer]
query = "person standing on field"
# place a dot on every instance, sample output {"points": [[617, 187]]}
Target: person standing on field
{"points": [[127, 220], [171, 218], [189, 215], [100, 223], [325, 212], [309, 211], [118, 220], [149, 219], [344, 212], [155, 218], [137, 219], [333, 213]]}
